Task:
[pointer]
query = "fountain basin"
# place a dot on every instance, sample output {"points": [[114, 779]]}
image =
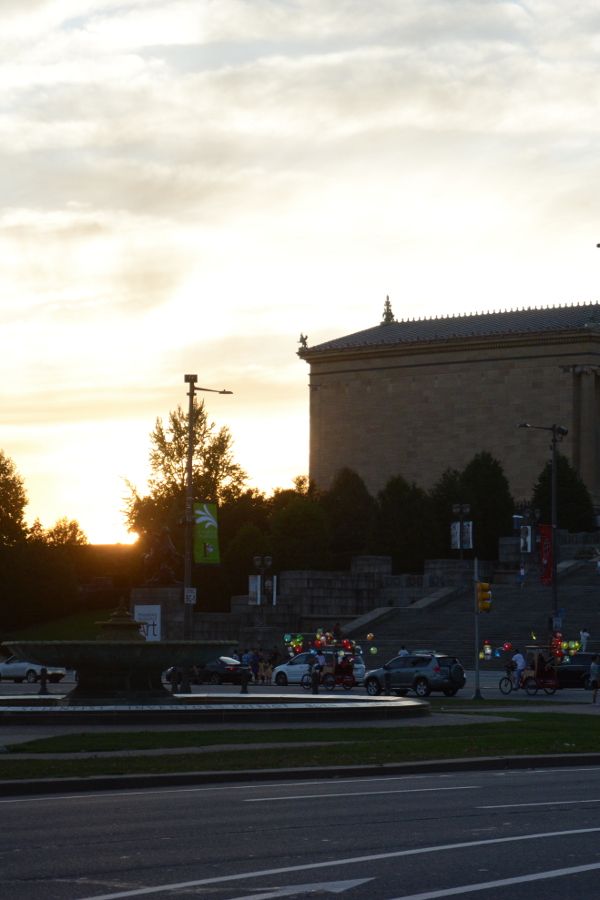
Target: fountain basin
{"points": [[118, 671]]}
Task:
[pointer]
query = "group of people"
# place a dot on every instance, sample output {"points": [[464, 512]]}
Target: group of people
{"points": [[260, 662]]}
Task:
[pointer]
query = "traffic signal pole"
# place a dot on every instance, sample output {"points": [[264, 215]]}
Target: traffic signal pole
{"points": [[477, 695]]}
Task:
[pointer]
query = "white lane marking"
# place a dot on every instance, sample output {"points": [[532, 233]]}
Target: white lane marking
{"points": [[502, 882], [469, 787], [331, 887], [374, 857], [541, 803]]}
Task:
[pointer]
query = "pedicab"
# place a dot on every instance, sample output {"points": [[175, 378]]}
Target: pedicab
{"points": [[540, 675], [337, 671]]}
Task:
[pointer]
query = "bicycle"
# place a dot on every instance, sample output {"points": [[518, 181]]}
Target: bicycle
{"points": [[506, 683]]}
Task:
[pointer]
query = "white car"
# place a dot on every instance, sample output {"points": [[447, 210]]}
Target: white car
{"points": [[291, 672], [14, 669]]}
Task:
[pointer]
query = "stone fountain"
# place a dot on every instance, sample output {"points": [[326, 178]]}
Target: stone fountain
{"points": [[120, 666]]}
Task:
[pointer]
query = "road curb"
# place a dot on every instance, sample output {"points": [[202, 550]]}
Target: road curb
{"points": [[180, 779]]}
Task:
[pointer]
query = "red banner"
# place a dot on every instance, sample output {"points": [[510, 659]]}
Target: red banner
{"points": [[545, 532]]}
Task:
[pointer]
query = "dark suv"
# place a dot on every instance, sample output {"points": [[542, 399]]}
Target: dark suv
{"points": [[419, 672]]}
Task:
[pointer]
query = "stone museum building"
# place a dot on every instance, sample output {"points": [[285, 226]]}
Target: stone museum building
{"points": [[416, 397]]}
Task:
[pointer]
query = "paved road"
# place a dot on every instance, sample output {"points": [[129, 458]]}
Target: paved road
{"points": [[512, 835], [489, 679]]}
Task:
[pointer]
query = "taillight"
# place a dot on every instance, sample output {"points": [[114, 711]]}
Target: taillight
{"points": [[231, 668], [436, 668]]}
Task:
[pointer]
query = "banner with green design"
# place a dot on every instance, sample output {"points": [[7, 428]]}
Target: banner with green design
{"points": [[206, 533]]}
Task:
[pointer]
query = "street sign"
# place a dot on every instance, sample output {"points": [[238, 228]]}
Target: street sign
{"points": [[189, 596]]}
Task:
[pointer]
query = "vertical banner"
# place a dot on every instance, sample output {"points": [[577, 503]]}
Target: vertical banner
{"points": [[466, 536], [455, 535], [546, 553], [206, 533]]}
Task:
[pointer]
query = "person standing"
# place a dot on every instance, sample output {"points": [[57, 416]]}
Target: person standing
{"points": [[594, 676], [403, 651], [584, 637], [520, 665]]}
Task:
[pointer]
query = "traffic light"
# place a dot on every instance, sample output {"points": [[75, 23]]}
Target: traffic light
{"points": [[484, 596]]}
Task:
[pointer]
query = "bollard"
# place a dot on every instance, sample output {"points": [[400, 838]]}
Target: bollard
{"points": [[315, 677], [244, 679], [387, 683], [43, 680]]}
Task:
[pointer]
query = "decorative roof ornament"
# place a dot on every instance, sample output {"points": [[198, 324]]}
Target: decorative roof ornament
{"points": [[388, 315], [302, 340]]}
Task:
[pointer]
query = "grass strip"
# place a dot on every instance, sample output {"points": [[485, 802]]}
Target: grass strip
{"points": [[531, 733]]}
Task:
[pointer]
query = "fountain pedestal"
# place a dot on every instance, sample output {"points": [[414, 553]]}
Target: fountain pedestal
{"points": [[120, 667]]}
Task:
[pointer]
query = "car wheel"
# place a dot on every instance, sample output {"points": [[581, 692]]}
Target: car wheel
{"points": [[215, 678], [281, 680], [450, 692], [372, 687], [422, 688], [30, 676]]}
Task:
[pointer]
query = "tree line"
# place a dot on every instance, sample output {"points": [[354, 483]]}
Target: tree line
{"points": [[302, 527]]}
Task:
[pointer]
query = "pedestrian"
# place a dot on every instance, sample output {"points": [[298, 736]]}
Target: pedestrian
{"points": [[584, 637], [521, 576], [594, 676], [520, 666], [403, 651]]}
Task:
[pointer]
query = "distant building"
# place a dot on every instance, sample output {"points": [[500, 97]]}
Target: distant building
{"points": [[419, 396]]}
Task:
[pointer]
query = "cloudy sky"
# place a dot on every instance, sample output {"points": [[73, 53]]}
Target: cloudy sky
{"points": [[189, 184]]}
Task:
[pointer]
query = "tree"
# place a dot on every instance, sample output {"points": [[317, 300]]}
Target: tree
{"points": [[13, 500], [444, 494], [574, 507], [406, 524], [216, 477], [351, 514], [64, 533], [485, 486], [299, 535]]}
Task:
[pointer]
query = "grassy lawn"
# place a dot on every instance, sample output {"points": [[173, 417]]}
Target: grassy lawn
{"points": [[522, 733]]}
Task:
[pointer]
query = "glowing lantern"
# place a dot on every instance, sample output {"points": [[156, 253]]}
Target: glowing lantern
{"points": [[481, 654], [373, 650], [370, 636]]}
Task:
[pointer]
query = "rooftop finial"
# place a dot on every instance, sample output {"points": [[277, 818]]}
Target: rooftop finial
{"points": [[388, 315]]}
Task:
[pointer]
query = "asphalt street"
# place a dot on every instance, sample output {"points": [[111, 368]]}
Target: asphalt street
{"points": [[517, 835]]}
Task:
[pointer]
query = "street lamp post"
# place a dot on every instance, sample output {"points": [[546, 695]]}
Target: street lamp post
{"points": [[189, 593], [558, 433]]}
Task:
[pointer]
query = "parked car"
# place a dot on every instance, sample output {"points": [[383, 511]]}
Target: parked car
{"points": [[224, 670], [421, 673], [291, 671], [574, 671], [13, 669]]}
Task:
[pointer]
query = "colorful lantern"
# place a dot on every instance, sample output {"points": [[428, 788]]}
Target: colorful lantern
{"points": [[373, 650]]}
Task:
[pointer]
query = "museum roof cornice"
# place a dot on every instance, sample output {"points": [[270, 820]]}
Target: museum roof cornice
{"points": [[533, 323]]}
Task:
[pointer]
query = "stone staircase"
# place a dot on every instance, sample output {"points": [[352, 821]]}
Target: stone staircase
{"points": [[447, 625]]}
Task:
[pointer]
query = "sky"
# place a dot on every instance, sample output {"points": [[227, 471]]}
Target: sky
{"points": [[189, 185]]}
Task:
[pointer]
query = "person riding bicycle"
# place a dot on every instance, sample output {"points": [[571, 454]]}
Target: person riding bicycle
{"points": [[520, 666]]}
